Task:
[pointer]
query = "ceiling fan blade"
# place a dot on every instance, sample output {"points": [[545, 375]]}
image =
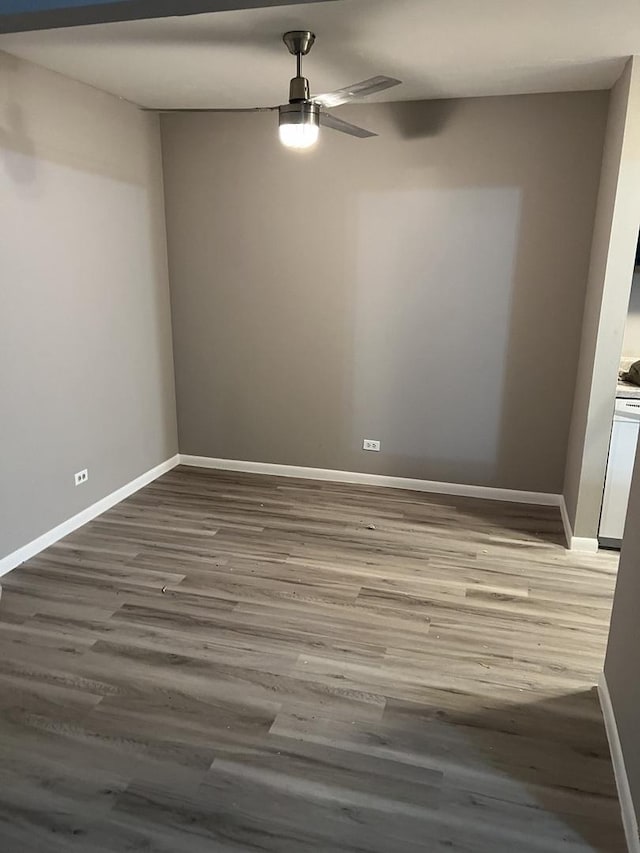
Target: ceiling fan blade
{"points": [[209, 109], [356, 90], [335, 123]]}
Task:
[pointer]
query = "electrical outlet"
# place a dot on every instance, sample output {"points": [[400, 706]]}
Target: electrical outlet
{"points": [[82, 476], [370, 444]]}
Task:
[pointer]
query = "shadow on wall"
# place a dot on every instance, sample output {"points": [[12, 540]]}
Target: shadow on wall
{"points": [[40, 113], [17, 150], [420, 119], [159, 352]]}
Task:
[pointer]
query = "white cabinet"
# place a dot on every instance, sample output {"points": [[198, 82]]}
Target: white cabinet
{"points": [[622, 454]]}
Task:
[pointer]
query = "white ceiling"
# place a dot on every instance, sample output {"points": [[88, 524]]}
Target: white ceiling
{"points": [[439, 48]]}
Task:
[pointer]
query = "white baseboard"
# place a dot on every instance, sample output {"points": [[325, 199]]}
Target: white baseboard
{"points": [[583, 543], [629, 819], [568, 532], [459, 489], [575, 543], [32, 548]]}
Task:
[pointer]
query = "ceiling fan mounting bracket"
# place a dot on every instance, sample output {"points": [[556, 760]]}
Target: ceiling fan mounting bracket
{"points": [[299, 42]]}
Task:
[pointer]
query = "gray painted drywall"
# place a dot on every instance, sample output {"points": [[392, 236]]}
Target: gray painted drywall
{"points": [[424, 288], [622, 662], [608, 289], [86, 371]]}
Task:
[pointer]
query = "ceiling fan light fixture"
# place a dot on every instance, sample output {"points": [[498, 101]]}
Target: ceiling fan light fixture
{"points": [[299, 121], [299, 124]]}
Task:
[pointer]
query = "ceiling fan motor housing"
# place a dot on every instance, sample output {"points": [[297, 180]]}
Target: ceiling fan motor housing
{"points": [[298, 89], [300, 112]]}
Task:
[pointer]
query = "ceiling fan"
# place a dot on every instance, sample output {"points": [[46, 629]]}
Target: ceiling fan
{"points": [[300, 119]]}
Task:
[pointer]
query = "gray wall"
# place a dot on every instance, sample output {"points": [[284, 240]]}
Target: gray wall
{"points": [[622, 663], [86, 374], [609, 285], [424, 288]]}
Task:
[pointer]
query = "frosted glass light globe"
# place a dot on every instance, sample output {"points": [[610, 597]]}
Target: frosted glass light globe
{"points": [[300, 135]]}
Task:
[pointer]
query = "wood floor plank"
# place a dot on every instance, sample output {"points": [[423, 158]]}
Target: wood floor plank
{"points": [[232, 663]]}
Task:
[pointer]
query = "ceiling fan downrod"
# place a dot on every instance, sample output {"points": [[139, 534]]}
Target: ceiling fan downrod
{"points": [[299, 43]]}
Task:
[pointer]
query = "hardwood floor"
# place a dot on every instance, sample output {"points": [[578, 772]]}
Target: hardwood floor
{"points": [[230, 662]]}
